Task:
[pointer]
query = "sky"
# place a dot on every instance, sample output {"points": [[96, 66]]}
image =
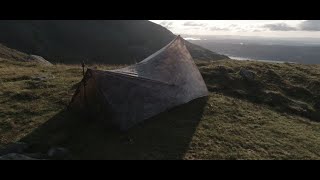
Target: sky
{"points": [[262, 28]]}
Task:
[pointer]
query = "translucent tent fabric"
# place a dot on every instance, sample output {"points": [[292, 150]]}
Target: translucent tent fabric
{"points": [[129, 95]]}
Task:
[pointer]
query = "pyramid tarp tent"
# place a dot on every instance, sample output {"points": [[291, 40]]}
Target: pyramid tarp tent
{"points": [[127, 96]]}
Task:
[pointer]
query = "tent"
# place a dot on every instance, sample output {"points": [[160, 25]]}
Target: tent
{"points": [[130, 95]]}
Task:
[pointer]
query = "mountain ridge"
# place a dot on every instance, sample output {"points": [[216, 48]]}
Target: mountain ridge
{"points": [[95, 41]]}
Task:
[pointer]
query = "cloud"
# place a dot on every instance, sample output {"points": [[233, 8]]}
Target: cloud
{"points": [[166, 24], [233, 25], [310, 25], [214, 28], [192, 39], [191, 23], [279, 27]]}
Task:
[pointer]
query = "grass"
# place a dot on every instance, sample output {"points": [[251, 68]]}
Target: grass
{"points": [[27, 102], [272, 117]]}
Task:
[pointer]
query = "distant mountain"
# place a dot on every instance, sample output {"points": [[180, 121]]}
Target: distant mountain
{"points": [[99, 41]]}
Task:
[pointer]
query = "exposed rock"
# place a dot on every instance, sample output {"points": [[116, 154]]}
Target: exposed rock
{"points": [[39, 59], [18, 147], [247, 74], [39, 78], [58, 153], [42, 77], [224, 69], [16, 156]]}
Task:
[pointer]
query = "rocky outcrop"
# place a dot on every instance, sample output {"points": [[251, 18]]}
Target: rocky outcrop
{"points": [[38, 59], [21, 151], [15, 156], [247, 74]]}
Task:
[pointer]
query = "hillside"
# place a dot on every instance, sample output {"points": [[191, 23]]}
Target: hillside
{"points": [[273, 116], [12, 54], [99, 41]]}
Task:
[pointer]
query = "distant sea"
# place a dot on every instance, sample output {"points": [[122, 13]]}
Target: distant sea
{"points": [[250, 59], [267, 50]]}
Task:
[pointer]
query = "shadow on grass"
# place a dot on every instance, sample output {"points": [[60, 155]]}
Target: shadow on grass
{"points": [[166, 136]]}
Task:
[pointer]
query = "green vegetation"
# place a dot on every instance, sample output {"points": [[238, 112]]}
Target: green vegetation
{"points": [[274, 116]]}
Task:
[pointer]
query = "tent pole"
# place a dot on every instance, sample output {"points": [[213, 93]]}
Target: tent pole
{"points": [[83, 68], [84, 88]]}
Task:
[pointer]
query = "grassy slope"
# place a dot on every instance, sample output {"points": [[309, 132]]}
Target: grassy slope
{"points": [[239, 120], [12, 54]]}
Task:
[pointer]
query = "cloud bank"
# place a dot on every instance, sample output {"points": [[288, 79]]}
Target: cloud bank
{"points": [[192, 23], [279, 27], [166, 24], [310, 25]]}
